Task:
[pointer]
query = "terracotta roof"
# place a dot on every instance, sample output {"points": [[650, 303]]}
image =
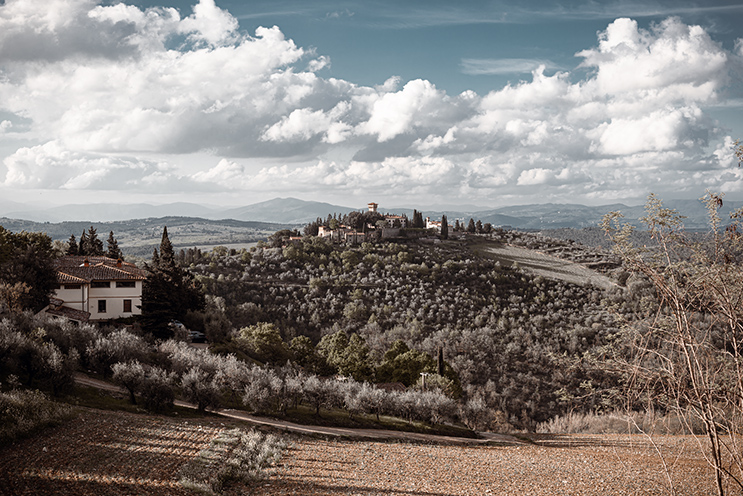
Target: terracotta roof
{"points": [[81, 270], [63, 278], [56, 308]]}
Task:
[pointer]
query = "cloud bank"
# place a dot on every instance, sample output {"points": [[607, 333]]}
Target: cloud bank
{"points": [[90, 93]]}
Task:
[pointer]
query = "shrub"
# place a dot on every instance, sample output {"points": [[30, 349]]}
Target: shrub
{"points": [[23, 412], [232, 457]]}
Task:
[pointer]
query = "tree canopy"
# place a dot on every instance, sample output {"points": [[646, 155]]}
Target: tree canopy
{"points": [[169, 292], [27, 275]]}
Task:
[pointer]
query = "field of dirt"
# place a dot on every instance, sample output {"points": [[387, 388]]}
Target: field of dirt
{"points": [[108, 453], [552, 267], [116, 453]]}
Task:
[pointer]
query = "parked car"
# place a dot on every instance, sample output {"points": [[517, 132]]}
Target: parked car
{"points": [[196, 336]]}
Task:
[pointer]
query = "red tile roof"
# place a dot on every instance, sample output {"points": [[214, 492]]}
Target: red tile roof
{"points": [[81, 270], [57, 308]]}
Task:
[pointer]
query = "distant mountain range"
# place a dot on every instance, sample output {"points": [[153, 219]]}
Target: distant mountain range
{"points": [[292, 211]]}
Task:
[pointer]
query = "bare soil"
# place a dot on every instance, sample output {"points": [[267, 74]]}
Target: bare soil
{"points": [[116, 453], [574, 465], [102, 452], [545, 265]]}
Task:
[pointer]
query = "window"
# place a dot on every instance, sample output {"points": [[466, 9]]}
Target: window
{"points": [[128, 306], [125, 284], [73, 286], [100, 284], [101, 306]]}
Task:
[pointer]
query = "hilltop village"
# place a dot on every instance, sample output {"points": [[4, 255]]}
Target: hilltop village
{"points": [[373, 226]]}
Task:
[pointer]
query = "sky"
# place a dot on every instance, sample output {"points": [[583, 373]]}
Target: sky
{"points": [[413, 103]]}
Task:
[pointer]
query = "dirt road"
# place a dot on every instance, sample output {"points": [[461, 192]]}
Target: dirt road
{"points": [[341, 432]]}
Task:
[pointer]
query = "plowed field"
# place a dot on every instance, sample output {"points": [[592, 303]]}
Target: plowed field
{"points": [[114, 453]]}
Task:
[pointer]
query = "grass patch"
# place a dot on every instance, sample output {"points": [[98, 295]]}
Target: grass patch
{"points": [[100, 399], [234, 456], [305, 415], [620, 423], [24, 412]]}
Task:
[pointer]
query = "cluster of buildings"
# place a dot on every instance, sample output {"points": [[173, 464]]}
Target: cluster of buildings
{"points": [[389, 229]]}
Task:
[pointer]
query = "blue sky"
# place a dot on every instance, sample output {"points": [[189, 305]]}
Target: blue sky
{"points": [[403, 103]]}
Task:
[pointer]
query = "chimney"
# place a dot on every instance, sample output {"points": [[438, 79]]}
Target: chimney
{"points": [[118, 262], [86, 263]]}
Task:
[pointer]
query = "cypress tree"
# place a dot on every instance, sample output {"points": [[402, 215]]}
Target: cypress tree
{"points": [[72, 248], [113, 247], [83, 247], [169, 291], [90, 244], [444, 227]]}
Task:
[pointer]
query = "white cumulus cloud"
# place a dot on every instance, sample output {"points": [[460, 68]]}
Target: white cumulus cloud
{"points": [[90, 88]]}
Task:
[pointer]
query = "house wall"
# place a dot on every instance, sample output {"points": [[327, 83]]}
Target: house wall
{"points": [[86, 299], [114, 298], [73, 298]]}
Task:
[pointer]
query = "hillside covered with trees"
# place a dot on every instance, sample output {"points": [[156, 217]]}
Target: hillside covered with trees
{"points": [[514, 342]]}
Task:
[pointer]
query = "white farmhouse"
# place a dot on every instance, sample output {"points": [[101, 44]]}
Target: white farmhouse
{"points": [[96, 288]]}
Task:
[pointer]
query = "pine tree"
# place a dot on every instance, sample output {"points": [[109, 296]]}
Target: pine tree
{"points": [[471, 226], [113, 247], [169, 291], [72, 248], [478, 226], [83, 246], [90, 245], [96, 245], [444, 227]]}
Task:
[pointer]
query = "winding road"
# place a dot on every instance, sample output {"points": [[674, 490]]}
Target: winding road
{"points": [[342, 432]]}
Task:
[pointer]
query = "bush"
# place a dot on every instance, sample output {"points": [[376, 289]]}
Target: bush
{"points": [[23, 412], [232, 457]]}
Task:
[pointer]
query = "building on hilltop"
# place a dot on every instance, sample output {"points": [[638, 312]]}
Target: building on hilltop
{"points": [[96, 288], [436, 224]]}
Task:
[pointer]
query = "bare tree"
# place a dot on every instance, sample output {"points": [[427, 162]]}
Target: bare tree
{"points": [[687, 358]]}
